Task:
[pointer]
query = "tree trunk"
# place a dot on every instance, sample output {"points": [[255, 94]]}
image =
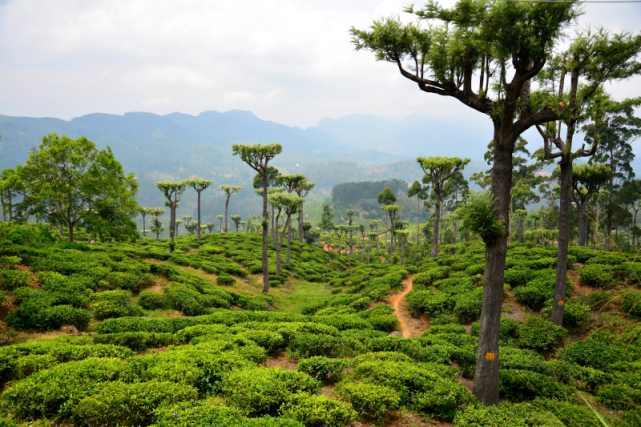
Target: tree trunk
{"points": [[289, 237], [583, 225], [265, 224], [144, 229], [369, 246], [351, 244], [226, 210], [486, 378], [339, 244], [596, 223], [301, 219], [199, 216], [564, 240], [437, 218], [363, 249], [418, 221]]}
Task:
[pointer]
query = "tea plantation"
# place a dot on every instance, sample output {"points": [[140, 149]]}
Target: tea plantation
{"points": [[130, 335]]}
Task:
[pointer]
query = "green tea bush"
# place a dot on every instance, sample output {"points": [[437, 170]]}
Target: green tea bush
{"points": [[475, 269], [270, 341], [12, 279], [370, 401], [307, 345], [137, 341], [446, 329], [582, 253], [468, 306], [619, 397], [444, 399], [598, 351], [317, 410], [114, 304], [520, 386], [598, 275], [502, 415], [573, 314], [151, 300], [516, 276], [387, 323], [117, 403], [262, 391], [327, 370], [507, 330], [579, 376], [225, 280], [631, 302], [607, 260], [540, 334], [524, 360], [429, 301]]}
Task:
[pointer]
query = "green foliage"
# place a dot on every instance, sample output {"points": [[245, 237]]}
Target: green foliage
{"points": [[317, 410], [225, 280], [430, 301], [524, 385], [12, 279], [596, 275], [478, 216], [324, 369], [371, 401], [573, 314], [540, 334]]}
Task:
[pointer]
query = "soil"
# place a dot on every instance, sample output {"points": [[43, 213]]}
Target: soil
{"points": [[281, 360], [411, 327]]}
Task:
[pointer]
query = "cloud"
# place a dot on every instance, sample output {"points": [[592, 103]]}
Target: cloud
{"points": [[286, 60]]}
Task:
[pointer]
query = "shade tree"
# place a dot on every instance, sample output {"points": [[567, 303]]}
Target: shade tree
{"points": [[228, 190], [236, 219], [439, 170], [421, 193], [258, 156], [173, 192], [302, 190], [587, 180], [199, 185]]}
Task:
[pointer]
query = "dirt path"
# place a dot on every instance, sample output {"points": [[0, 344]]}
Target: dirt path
{"points": [[410, 326]]}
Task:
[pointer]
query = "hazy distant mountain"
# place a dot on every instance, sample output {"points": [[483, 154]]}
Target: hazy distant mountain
{"points": [[415, 135]]}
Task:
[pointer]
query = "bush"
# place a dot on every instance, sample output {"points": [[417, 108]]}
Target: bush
{"points": [[446, 329], [430, 301], [468, 306], [262, 391], [573, 314], [507, 330], [540, 334], [520, 386], [306, 345], [12, 279], [117, 403], [136, 341], [596, 275], [501, 415], [270, 341], [225, 280], [151, 300], [515, 276], [317, 411], [632, 302], [443, 400], [324, 369], [371, 401], [619, 397], [598, 352], [113, 304]]}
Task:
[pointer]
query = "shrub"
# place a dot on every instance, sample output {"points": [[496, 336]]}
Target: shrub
{"points": [[262, 391], [136, 341], [570, 414], [317, 411], [501, 415], [225, 280], [118, 403], [524, 385], [573, 314], [607, 260], [468, 306], [430, 301], [515, 276], [151, 300], [12, 279], [446, 329], [596, 275], [444, 399], [270, 341], [371, 401], [507, 330], [113, 304], [597, 352], [323, 345], [571, 373], [198, 414], [540, 334], [619, 397], [386, 323], [632, 302], [324, 369]]}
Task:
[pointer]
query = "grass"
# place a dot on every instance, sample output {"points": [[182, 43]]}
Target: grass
{"points": [[292, 300]]}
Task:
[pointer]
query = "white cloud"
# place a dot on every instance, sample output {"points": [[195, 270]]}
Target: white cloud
{"points": [[288, 61]]}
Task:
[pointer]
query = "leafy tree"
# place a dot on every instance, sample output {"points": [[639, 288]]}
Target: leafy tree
{"points": [[438, 170], [228, 190], [236, 219], [173, 192], [370, 237], [81, 184], [177, 226], [417, 190], [350, 215], [327, 219], [595, 58], [392, 211], [402, 237], [210, 226], [200, 185], [7, 193], [143, 212], [454, 191], [521, 214], [220, 218], [156, 223], [257, 156], [288, 204], [586, 181], [386, 197], [302, 190], [536, 217], [361, 228], [443, 59], [373, 225], [617, 128]]}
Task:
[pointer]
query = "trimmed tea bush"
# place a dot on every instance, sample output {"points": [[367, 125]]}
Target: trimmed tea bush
{"points": [[371, 401], [540, 334], [519, 386], [324, 369], [316, 410]]}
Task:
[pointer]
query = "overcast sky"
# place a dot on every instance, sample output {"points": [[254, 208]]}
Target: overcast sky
{"points": [[287, 61]]}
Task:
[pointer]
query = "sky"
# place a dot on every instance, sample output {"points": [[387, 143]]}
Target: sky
{"points": [[291, 62]]}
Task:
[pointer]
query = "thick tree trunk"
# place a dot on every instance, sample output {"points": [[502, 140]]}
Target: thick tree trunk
{"points": [[437, 219], [199, 215], [486, 378], [564, 240], [583, 224], [265, 224]]}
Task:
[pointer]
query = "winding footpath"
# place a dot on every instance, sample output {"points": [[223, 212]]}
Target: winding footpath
{"points": [[399, 304]]}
